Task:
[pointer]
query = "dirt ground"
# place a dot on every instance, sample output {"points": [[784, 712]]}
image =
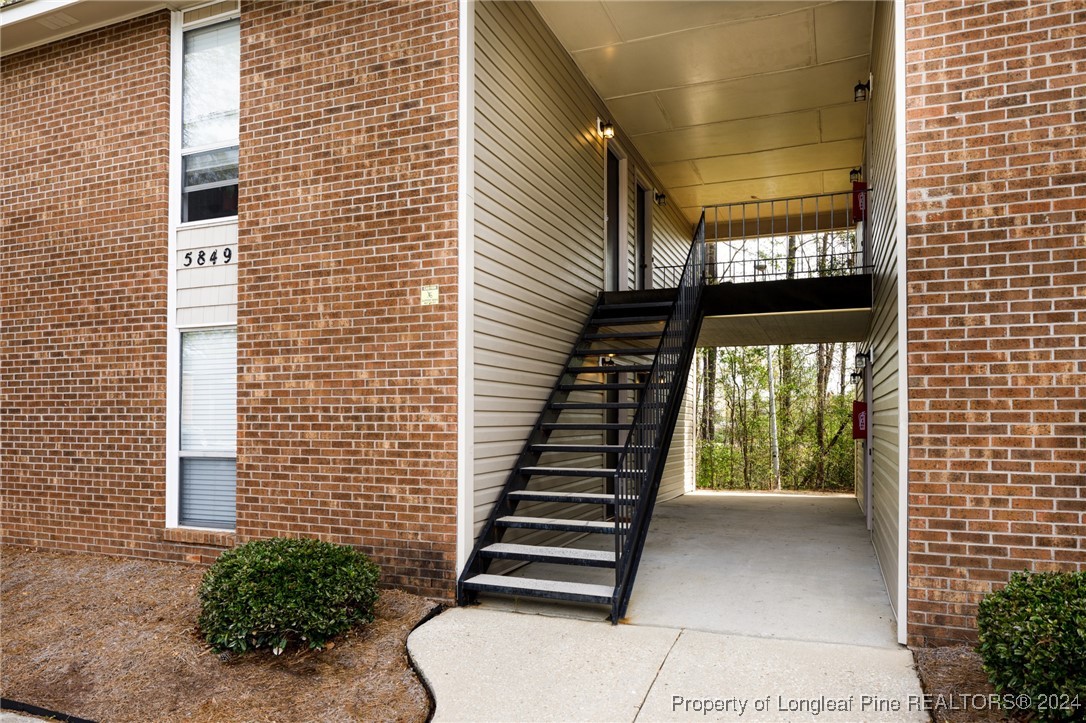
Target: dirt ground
{"points": [[115, 640], [955, 680]]}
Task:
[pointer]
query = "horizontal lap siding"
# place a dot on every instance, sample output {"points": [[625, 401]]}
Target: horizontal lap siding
{"points": [[538, 249], [538, 231], [207, 294], [883, 337], [672, 236]]}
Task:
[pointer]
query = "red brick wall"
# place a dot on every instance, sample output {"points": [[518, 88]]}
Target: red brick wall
{"points": [[84, 163], [997, 313], [347, 384]]}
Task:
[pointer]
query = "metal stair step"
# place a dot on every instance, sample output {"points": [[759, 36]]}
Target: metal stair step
{"points": [[634, 306], [610, 369], [571, 498], [585, 426], [558, 524], [617, 386], [624, 335], [549, 589], [618, 320], [554, 555], [571, 471], [624, 351], [594, 405], [597, 448]]}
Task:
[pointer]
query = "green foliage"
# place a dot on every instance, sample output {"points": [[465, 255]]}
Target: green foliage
{"points": [[738, 454], [267, 593], [1033, 641]]}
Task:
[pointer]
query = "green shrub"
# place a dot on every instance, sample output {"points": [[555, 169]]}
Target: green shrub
{"points": [[268, 593], [1033, 641]]}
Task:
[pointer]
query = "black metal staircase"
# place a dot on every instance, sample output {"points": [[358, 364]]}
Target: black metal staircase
{"points": [[592, 463]]}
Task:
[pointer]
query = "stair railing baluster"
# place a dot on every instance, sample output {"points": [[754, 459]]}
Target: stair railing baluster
{"points": [[641, 462]]}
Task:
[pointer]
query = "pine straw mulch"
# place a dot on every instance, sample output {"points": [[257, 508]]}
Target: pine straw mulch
{"points": [[115, 640], [955, 680]]}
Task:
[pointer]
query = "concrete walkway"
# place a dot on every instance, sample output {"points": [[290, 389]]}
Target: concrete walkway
{"points": [[747, 607], [495, 665]]}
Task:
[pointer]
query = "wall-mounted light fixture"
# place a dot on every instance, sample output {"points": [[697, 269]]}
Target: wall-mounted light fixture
{"points": [[606, 129], [862, 358], [856, 377], [659, 199], [861, 91], [855, 175]]}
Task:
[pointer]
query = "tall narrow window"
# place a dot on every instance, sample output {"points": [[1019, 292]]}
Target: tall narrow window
{"points": [[210, 99], [208, 428]]}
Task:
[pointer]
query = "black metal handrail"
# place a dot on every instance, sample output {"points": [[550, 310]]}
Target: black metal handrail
{"points": [[787, 238], [640, 464]]}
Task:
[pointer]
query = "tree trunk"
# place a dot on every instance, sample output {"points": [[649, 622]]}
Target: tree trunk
{"points": [[708, 404], [824, 360]]}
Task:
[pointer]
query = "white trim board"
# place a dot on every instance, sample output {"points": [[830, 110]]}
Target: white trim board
{"points": [[902, 331], [465, 313]]}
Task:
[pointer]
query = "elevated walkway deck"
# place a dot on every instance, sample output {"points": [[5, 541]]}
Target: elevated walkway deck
{"points": [[786, 311], [781, 311]]}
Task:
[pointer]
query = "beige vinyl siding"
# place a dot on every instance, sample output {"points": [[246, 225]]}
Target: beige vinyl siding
{"points": [[678, 474], [538, 233], [671, 236], [207, 294], [883, 337]]}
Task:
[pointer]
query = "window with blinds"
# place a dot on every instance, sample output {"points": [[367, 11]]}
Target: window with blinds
{"points": [[208, 428]]}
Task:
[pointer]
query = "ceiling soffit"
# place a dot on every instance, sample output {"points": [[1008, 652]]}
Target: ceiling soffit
{"points": [[728, 101]]}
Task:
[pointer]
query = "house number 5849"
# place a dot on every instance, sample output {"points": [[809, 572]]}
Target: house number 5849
{"points": [[206, 257]]}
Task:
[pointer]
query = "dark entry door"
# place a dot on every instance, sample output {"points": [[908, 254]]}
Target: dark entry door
{"points": [[641, 232], [612, 266], [612, 247]]}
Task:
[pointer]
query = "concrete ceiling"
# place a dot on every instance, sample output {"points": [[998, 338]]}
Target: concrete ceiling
{"points": [[801, 327], [728, 101]]}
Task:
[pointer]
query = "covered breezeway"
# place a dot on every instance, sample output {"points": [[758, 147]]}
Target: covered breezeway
{"points": [[796, 566], [778, 565]]}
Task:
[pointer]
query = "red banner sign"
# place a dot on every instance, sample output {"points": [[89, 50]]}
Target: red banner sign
{"points": [[859, 420]]}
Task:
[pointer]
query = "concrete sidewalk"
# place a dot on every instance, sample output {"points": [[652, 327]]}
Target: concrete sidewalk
{"points": [[493, 665]]}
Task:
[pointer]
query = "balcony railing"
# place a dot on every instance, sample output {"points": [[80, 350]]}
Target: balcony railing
{"points": [[789, 238]]}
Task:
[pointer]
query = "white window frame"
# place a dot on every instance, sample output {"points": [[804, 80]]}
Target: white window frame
{"points": [[181, 454], [173, 332], [177, 152]]}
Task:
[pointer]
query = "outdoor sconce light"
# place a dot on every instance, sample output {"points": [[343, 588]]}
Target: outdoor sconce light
{"points": [[855, 175], [861, 361], [606, 129], [860, 92], [659, 198], [856, 377]]}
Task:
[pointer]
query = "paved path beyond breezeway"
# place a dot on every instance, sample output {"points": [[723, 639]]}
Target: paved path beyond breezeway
{"points": [[484, 664]]}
